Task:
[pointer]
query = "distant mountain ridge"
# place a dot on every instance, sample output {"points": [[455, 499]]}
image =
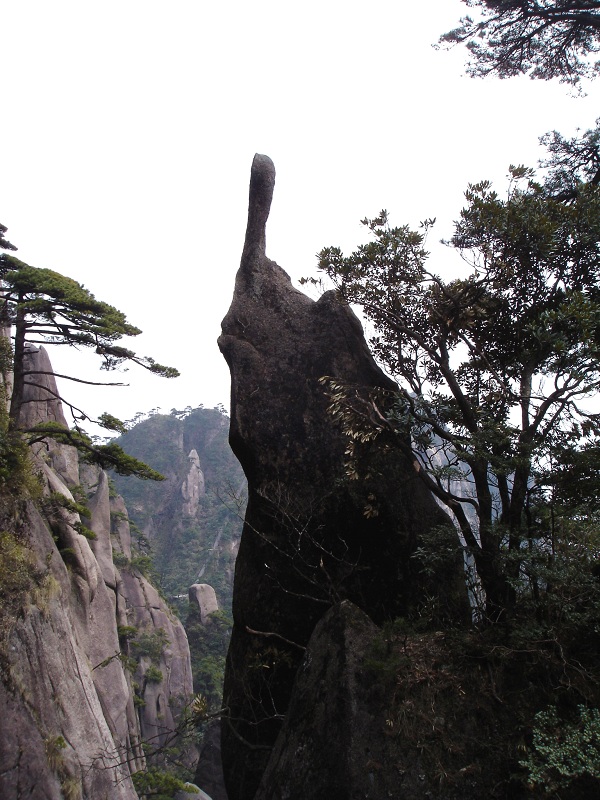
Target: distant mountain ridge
{"points": [[192, 521]]}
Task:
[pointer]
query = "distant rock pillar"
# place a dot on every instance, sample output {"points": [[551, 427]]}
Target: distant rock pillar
{"points": [[203, 597], [193, 487]]}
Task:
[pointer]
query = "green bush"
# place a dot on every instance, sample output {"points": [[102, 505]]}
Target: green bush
{"points": [[153, 674], [54, 745], [156, 784], [126, 631], [85, 531], [143, 564], [151, 644], [120, 560], [208, 649], [564, 751], [17, 479]]}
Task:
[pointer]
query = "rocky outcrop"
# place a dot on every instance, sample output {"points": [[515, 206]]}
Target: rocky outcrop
{"points": [[309, 540], [203, 597], [191, 519], [66, 726], [42, 403], [192, 488], [332, 743], [94, 664]]}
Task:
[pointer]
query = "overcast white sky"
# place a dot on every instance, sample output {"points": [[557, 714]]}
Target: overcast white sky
{"points": [[129, 127]]}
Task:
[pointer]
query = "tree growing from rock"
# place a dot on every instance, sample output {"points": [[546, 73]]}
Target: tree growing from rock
{"points": [[496, 367], [43, 307]]}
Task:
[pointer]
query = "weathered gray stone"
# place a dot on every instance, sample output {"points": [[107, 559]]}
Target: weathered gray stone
{"points": [[193, 487], [193, 793], [307, 542], [85, 570], [99, 505], [120, 526], [204, 597], [68, 725], [41, 403], [49, 679], [164, 699], [23, 759]]}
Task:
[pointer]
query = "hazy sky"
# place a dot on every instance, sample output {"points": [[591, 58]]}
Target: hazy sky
{"points": [[129, 128]]}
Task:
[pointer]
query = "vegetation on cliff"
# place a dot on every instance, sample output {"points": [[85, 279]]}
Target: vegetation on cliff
{"points": [[497, 368], [190, 544], [498, 387], [42, 307]]}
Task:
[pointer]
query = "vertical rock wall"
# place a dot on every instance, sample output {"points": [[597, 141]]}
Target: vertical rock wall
{"points": [[71, 726]]}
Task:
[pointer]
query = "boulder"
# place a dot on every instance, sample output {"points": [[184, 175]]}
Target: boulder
{"points": [[333, 742], [191, 792], [203, 597], [309, 539]]}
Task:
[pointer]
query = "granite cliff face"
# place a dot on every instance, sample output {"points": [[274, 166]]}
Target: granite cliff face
{"points": [[307, 543], [93, 663]]}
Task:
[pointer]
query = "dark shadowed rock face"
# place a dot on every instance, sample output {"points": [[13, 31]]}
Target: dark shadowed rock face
{"points": [[332, 743], [209, 770], [307, 543]]}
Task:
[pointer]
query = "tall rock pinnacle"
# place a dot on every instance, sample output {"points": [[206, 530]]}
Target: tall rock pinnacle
{"points": [[307, 543]]}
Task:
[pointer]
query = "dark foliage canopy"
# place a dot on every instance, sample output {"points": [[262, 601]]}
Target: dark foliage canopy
{"points": [[45, 307], [4, 243], [541, 38], [496, 367], [42, 307]]}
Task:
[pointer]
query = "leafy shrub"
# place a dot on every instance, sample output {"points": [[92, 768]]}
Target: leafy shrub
{"points": [[208, 649], [157, 784], [17, 479], [143, 564], [120, 560], [54, 745], [58, 500], [564, 751], [151, 644], [153, 674], [85, 531], [126, 631]]}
